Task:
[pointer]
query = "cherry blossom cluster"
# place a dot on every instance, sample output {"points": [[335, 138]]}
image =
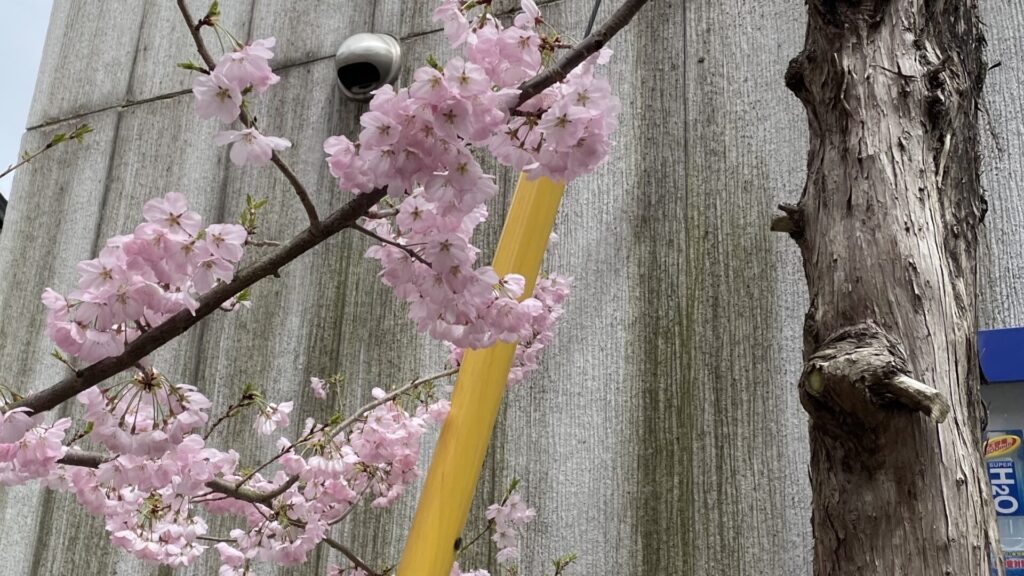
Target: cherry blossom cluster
{"points": [[334, 470], [221, 94], [151, 505], [509, 517], [152, 491], [146, 416], [561, 133], [29, 449], [416, 143], [142, 278], [549, 293]]}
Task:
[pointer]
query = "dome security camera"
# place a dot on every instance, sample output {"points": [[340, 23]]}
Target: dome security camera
{"points": [[365, 62]]}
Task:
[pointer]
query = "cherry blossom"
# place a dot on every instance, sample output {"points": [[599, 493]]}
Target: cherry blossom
{"points": [[250, 148], [217, 97], [273, 417], [140, 279], [317, 385], [508, 517], [249, 66]]}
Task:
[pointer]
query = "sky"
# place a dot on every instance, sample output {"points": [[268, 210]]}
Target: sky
{"points": [[22, 33]]}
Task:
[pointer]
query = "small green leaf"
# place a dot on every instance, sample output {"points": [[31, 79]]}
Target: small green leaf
{"points": [[212, 17], [190, 65], [80, 132], [60, 358]]}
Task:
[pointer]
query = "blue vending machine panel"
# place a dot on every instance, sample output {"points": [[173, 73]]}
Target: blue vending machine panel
{"points": [[1003, 459]]}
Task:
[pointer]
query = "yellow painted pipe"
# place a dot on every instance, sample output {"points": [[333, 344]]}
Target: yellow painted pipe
{"points": [[459, 455]]}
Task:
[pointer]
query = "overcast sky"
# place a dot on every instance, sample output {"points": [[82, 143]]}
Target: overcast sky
{"points": [[22, 32]]}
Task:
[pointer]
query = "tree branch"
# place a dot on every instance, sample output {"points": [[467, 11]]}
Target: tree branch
{"points": [[404, 248], [77, 134], [282, 166], [179, 323], [235, 490], [860, 372], [344, 425], [84, 459], [350, 555], [589, 46]]}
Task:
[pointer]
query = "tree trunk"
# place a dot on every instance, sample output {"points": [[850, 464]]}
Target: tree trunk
{"points": [[888, 225]]}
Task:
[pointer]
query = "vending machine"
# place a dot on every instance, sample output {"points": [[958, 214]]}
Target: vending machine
{"points": [[1001, 355]]}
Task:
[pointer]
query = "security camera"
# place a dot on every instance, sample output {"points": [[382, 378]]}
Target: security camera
{"points": [[365, 62]]}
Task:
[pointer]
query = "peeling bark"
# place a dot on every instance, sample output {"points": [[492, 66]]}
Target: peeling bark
{"points": [[888, 224]]}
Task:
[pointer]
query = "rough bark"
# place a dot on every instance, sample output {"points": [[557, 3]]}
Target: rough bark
{"points": [[888, 228]]}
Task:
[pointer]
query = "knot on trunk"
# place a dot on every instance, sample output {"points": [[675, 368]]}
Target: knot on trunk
{"points": [[859, 375]]}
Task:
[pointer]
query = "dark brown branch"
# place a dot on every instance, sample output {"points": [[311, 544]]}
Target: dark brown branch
{"points": [[179, 323], [590, 45], [350, 555], [404, 248], [83, 459], [300, 190], [282, 166]]}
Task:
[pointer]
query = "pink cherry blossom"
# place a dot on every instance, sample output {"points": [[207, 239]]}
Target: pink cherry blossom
{"points": [[273, 417], [171, 212], [508, 518], [217, 97], [250, 147], [140, 279], [248, 66], [226, 241], [317, 385]]}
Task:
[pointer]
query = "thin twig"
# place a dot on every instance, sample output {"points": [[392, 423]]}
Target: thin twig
{"points": [[282, 166], [404, 248], [235, 489], [262, 243], [391, 396], [487, 528], [590, 45], [77, 134], [215, 539], [350, 555], [345, 424], [244, 401], [306, 438], [26, 160]]}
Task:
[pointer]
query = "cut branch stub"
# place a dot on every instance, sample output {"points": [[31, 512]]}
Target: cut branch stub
{"points": [[859, 375], [791, 222]]}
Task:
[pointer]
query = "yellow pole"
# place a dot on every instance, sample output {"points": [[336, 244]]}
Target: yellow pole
{"points": [[459, 455]]}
